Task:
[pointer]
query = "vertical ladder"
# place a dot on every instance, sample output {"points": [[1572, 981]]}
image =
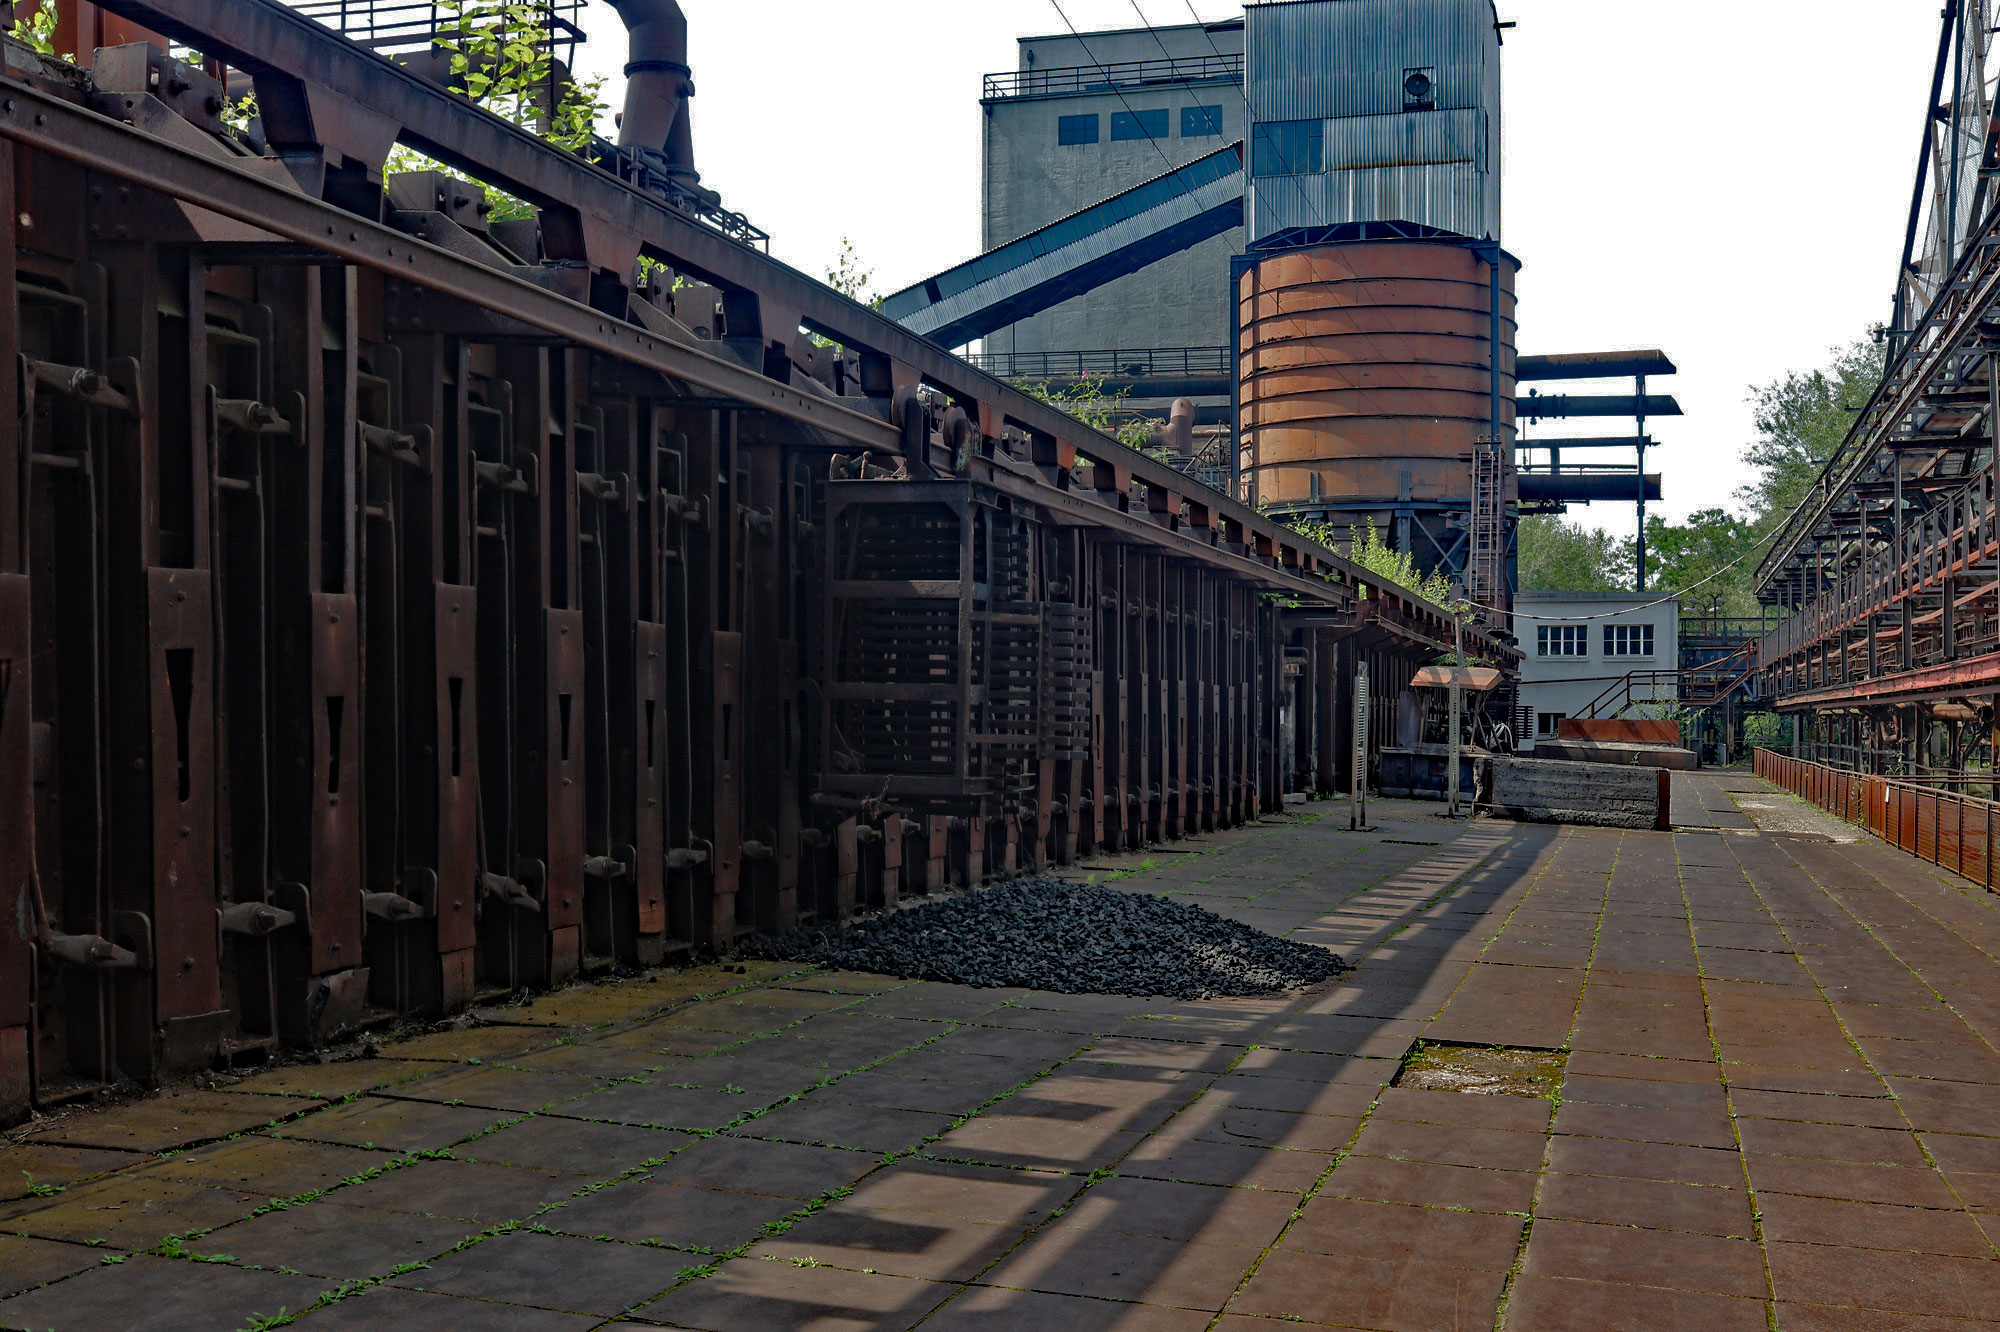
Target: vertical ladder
{"points": [[1486, 561]]}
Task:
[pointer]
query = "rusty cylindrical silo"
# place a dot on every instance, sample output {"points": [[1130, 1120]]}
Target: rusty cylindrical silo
{"points": [[1367, 378]]}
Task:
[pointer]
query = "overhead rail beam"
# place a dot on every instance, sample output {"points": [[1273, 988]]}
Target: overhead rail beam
{"points": [[1593, 365], [1586, 487], [269, 39], [1558, 406]]}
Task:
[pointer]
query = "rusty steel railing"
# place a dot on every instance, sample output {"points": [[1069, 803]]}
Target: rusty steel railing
{"points": [[1110, 362], [405, 25], [1948, 829], [1075, 79]]}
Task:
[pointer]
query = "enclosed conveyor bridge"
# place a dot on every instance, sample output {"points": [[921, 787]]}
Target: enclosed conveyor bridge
{"points": [[1123, 234]]}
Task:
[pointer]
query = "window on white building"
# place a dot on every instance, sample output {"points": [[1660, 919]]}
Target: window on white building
{"points": [[1628, 640], [1077, 129], [1548, 723], [1562, 640]]}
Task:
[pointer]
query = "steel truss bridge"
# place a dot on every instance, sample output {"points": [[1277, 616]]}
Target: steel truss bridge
{"points": [[1890, 657], [399, 607]]}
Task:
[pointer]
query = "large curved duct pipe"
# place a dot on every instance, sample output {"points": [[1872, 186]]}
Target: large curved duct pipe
{"points": [[658, 84]]}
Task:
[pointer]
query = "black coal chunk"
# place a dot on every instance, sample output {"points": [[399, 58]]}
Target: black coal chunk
{"points": [[1049, 934]]}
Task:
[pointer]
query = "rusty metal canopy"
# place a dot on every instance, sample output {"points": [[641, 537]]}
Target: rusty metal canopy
{"points": [[1478, 679]]}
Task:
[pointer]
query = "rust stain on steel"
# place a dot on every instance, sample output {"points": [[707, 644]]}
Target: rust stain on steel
{"points": [[1362, 362], [429, 624]]}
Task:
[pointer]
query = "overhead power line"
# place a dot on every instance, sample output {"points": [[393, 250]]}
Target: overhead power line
{"points": [[1098, 65]]}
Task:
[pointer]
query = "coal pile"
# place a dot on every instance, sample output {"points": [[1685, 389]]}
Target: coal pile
{"points": [[1048, 934]]}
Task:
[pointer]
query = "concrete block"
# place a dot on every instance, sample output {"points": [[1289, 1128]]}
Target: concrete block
{"points": [[1601, 795]]}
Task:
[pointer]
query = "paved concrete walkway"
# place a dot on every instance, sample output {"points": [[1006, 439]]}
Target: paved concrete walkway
{"points": [[1781, 1108]]}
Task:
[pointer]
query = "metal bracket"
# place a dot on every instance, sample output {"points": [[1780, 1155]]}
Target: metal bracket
{"points": [[421, 886]]}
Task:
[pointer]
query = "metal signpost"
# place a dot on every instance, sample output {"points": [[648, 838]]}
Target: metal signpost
{"points": [[1457, 676], [1357, 813]]}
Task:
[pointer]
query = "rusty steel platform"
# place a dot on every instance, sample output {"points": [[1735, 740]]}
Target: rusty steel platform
{"points": [[1778, 1109]]}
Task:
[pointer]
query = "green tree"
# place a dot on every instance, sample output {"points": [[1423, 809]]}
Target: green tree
{"points": [[848, 276], [1557, 556], [1371, 552], [1711, 557], [500, 59], [1097, 406], [35, 25], [1802, 417]]}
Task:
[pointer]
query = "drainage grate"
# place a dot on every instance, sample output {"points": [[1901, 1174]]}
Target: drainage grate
{"points": [[1483, 1070]]}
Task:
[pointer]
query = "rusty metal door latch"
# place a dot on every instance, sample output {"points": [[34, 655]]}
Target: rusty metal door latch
{"points": [[516, 892], [687, 857], [615, 489], [101, 954], [394, 444], [255, 919]]}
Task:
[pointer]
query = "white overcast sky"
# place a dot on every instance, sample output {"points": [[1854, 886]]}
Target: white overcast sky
{"points": [[1727, 180]]}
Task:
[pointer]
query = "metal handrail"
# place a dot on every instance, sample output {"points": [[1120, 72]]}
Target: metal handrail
{"points": [[1135, 364], [1104, 78], [1951, 829], [1623, 687], [411, 24], [1682, 678]]}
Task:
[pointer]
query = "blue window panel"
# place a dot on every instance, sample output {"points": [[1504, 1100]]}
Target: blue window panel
{"points": [[1077, 129], [1138, 125], [1288, 148], [1201, 122]]}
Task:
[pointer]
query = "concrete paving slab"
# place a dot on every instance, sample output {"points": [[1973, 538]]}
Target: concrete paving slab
{"points": [[556, 1272], [327, 1240], [26, 1263], [1776, 1109], [149, 1294], [133, 1209], [27, 1169], [169, 1120]]}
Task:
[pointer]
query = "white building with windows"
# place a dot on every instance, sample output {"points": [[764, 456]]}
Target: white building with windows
{"points": [[1583, 648]]}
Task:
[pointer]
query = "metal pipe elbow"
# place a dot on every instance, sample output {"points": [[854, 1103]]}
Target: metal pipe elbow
{"points": [[658, 81]]}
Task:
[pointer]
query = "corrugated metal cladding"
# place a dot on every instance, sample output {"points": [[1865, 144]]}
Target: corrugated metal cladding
{"points": [[1344, 62], [1450, 196], [1405, 139]]}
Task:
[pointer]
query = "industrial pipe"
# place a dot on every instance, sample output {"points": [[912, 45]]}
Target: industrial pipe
{"points": [[1177, 436], [658, 84]]}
